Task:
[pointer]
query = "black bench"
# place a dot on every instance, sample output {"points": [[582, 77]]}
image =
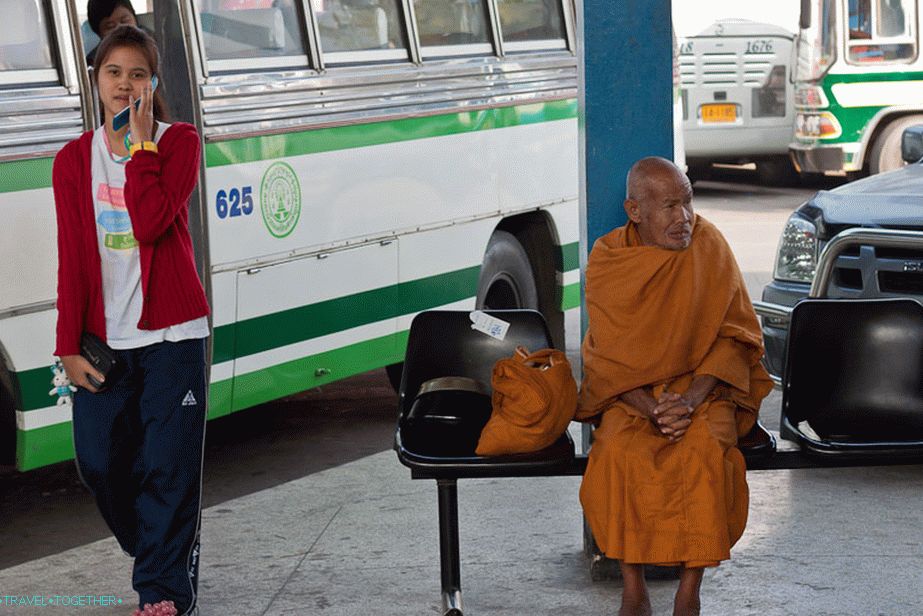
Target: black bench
{"points": [[443, 344]]}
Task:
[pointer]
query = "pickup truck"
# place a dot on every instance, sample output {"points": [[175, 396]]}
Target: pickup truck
{"points": [[859, 240]]}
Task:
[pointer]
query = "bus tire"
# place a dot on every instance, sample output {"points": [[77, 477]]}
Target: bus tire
{"points": [[697, 172], [776, 171], [885, 154], [506, 279]]}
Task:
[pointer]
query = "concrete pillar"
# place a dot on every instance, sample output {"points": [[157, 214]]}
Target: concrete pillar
{"points": [[625, 102]]}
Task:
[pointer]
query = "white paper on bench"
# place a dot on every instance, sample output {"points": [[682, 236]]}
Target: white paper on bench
{"points": [[492, 326]]}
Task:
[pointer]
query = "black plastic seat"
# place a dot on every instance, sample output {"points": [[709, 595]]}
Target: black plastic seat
{"points": [[757, 443], [443, 344], [854, 377], [437, 429]]}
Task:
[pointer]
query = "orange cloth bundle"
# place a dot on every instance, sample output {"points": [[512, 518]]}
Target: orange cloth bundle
{"points": [[534, 399], [658, 318]]}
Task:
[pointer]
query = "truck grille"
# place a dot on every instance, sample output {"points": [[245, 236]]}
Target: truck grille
{"points": [[869, 271]]}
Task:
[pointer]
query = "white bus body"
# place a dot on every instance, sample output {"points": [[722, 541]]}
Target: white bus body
{"points": [[363, 161], [737, 95]]}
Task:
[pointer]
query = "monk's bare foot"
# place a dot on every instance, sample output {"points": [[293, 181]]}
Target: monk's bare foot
{"points": [[639, 607], [687, 608], [635, 600], [687, 602]]}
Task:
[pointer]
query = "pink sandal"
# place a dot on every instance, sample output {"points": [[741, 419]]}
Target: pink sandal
{"points": [[163, 608]]}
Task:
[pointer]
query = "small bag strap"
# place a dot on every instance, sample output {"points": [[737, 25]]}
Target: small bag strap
{"points": [[539, 360]]}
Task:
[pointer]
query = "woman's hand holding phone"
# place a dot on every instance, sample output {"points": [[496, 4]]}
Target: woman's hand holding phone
{"points": [[141, 120]]}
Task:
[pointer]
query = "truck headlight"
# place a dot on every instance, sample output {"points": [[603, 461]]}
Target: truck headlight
{"points": [[797, 256]]}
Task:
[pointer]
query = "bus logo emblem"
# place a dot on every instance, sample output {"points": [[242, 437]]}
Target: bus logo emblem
{"points": [[280, 199]]}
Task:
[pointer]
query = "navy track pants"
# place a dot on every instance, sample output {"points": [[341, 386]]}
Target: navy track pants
{"points": [[139, 451]]}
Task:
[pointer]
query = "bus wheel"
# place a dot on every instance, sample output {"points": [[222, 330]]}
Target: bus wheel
{"points": [[885, 154], [506, 282], [698, 171], [506, 279], [776, 172]]}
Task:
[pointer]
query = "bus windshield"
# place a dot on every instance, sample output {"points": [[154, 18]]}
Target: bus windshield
{"points": [[879, 31], [816, 51]]}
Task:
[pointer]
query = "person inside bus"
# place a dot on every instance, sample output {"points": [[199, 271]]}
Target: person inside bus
{"points": [[104, 16], [672, 378], [126, 275]]}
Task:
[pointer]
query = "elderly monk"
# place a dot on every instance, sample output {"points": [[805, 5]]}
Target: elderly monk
{"points": [[672, 378]]}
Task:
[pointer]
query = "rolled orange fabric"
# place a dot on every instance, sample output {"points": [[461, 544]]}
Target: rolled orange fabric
{"points": [[534, 399], [657, 318]]}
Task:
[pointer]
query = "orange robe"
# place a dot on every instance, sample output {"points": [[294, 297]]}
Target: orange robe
{"points": [[657, 318]]}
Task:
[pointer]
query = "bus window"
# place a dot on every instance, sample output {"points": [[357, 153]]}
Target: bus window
{"points": [[879, 31], [252, 33], [452, 28], [531, 24], [25, 52], [373, 27]]}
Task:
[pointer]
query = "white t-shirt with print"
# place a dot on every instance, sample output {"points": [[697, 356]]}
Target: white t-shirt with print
{"points": [[121, 262]]}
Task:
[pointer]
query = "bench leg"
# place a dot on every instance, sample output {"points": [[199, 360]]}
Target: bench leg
{"points": [[449, 558]]}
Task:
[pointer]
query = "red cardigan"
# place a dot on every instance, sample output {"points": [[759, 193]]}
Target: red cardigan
{"points": [[157, 190]]}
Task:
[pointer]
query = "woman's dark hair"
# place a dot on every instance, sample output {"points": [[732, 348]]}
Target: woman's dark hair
{"points": [[130, 36], [98, 10]]}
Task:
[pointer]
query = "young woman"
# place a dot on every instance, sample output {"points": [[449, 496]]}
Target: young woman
{"points": [[126, 274]]}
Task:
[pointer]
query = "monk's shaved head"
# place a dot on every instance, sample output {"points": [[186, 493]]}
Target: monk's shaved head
{"points": [[648, 170], [659, 202]]}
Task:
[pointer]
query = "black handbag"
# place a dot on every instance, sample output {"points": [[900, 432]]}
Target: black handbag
{"points": [[101, 357]]}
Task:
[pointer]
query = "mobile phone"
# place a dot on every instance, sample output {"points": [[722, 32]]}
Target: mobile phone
{"points": [[121, 118]]}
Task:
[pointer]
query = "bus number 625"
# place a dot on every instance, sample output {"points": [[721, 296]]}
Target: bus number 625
{"points": [[234, 202]]}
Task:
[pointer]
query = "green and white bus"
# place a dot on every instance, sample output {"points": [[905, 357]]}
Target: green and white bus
{"points": [[364, 160], [859, 84]]}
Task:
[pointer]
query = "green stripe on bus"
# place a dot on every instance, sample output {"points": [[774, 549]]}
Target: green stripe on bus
{"points": [[25, 174], [300, 374], [252, 149], [570, 296], [54, 443], [51, 444], [570, 256], [219, 398], [306, 322], [34, 386], [44, 446], [299, 324]]}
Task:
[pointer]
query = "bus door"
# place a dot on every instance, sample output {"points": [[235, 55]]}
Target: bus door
{"points": [[303, 270], [41, 108]]}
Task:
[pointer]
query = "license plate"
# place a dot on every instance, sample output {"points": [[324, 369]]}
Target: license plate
{"points": [[719, 113]]}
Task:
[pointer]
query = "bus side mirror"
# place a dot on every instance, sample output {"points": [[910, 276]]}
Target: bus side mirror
{"points": [[804, 21], [912, 144]]}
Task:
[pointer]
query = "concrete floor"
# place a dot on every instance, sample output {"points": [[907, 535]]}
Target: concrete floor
{"points": [[360, 537]]}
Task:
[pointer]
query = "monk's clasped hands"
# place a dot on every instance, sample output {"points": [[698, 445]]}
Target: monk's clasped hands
{"points": [[672, 415]]}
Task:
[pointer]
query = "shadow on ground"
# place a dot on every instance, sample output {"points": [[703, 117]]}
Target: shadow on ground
{"points": [[48, 510]]}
